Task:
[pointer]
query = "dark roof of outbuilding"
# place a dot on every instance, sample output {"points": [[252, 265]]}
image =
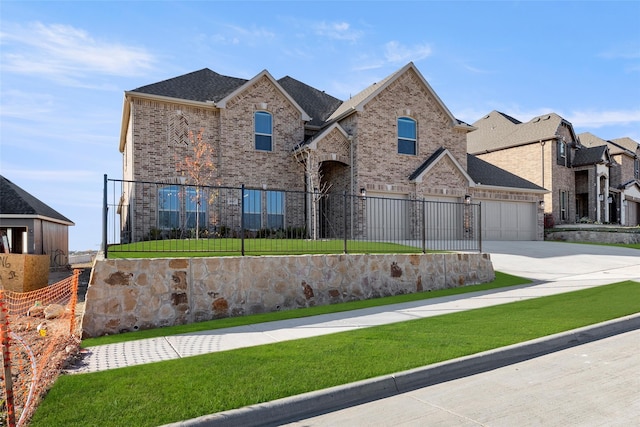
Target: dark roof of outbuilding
{"points": [[314, 102], [487, 174], [589, 156], [16, 201], [203, 85]]}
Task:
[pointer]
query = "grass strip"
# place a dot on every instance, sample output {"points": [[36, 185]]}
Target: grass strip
{"points": [[165, 392], [502, 280], [230, 247]]}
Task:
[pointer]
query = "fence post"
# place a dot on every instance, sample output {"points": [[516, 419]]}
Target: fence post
{"points": [[480, 227], [424, 226], [242, 220], [6, 361], [105, 209], [74, 301], [344, 209]]}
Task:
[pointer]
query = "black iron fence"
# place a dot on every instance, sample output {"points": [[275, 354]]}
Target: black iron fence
{"points": [[174, 217]]}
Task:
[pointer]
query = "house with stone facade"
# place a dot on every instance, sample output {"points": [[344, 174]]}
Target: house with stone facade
{"points": [[396, 139], [583, 173], [623, 198]]}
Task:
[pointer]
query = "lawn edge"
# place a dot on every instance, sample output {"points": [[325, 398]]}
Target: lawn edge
{"points": [[309, 404]]}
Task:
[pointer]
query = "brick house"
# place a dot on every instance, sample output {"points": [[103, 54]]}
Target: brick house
{"points": [[394, 140], [588, 179], [623, 199]]}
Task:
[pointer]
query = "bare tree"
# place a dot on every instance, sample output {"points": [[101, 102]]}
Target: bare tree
{"points": [[199, 166], [318, 188]]}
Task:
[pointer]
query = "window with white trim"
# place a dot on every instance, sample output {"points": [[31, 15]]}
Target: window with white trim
{"points": [[407, 136], [263, 127]]}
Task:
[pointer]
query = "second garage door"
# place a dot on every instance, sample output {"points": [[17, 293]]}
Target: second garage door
{"points": [[508, 220]]}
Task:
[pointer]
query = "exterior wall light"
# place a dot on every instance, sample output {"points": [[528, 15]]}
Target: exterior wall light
{"points": [[541, 204], [601, 197], [610, 199], [467, 199], [363, 192]]}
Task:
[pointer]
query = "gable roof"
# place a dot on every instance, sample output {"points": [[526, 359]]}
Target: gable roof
{"points": [[504, 133], [17, 203], [318, 104], [485, 174], [617, 146], [438, 155], [626, 143], [357, 102], [203, 85], [591, 155]]}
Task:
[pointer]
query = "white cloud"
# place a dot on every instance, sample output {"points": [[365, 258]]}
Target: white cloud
{"points": [[396, 53], [66, 54], [337, 31], [597, 119]]}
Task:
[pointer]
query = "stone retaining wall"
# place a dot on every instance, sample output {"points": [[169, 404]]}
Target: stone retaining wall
{"points": [[131, 294], [595, 236]]}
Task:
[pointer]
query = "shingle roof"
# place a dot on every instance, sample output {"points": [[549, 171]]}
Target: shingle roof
{"points": [[355, 100], [589, 155], [627, 144], [616, 146], [495, 131], [487, 174], [314, 102], [16, 201], [426, 164], [203, 85]]}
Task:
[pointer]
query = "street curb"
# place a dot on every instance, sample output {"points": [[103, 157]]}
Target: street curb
{"points": [[314, 403]]}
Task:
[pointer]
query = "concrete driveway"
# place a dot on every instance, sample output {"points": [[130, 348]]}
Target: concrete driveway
{"points": [[565, 262]]}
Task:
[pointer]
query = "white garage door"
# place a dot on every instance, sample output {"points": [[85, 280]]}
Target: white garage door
{"points": [[508, 220], [387, 216], [633, 213]]}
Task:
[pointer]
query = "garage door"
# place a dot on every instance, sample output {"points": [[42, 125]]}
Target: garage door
{"points": [[387, 217], [633, 213], [508, 220], [443, 218]]}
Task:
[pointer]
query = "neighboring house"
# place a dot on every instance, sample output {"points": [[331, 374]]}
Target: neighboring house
{"points": [[395, 139], [589, 179], [624, 192], [31, 226]]}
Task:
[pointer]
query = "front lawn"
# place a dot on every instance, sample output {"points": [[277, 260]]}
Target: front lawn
{"points": [[166, 392], [230, 247]]}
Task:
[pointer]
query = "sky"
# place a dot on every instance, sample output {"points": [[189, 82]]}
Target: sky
{"points": [[64, 68]]}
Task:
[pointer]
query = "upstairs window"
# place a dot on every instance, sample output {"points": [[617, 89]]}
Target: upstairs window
{"points": [[562, 153], [636, 169], [407, 140], [263, 131]]}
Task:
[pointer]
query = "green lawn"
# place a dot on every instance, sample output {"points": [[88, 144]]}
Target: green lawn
{"points": [[165, 392], [228, 247], [502, 280]]}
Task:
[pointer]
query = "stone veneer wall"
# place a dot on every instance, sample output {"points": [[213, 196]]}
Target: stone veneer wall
{"points": [[597, 236], [131, 294]]}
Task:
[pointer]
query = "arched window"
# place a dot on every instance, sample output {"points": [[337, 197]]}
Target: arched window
{"points": [[263, 131], [407, 136]]}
